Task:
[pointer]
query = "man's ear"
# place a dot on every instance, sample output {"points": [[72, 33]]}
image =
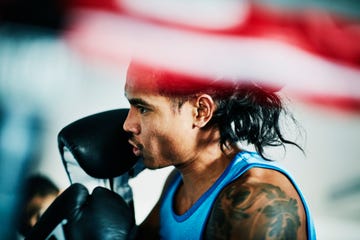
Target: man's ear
{"points": [[205, 108]]}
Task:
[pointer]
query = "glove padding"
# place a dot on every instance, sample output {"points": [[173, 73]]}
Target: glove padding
{"points": [[101, 215], [99, 144]]}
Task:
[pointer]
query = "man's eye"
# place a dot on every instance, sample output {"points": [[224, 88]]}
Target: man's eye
{"points": [[142, 110]]}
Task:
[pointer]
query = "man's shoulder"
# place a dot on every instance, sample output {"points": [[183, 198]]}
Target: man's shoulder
{"points": [[260, 203]]}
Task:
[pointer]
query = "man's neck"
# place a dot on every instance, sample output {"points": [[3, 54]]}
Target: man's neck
{"points": [[201, 173]]}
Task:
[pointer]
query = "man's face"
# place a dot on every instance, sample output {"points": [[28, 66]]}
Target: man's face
{"points": [[162, 133]]}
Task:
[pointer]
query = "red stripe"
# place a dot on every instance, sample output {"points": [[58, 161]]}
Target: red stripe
{"points": [[332, 37], [344, 104]]}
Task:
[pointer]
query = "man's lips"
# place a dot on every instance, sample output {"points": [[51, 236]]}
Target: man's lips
{"points": [[136, 148]]}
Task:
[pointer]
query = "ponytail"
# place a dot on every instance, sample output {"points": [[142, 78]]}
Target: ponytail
{"points": [[251, 115]]}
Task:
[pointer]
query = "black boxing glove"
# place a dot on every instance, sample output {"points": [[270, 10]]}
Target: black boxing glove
{"points": [[95, 152], [104, 216], [65, 206], [77, 215], [99, 144]]}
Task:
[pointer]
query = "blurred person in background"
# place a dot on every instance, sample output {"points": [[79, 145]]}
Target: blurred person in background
{"points": [[37, 195]]}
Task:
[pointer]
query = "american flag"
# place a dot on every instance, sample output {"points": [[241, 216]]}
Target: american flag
{"points": [[313, 52]]}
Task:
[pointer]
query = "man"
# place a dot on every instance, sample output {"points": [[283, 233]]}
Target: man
{"points": [[217, 190]]}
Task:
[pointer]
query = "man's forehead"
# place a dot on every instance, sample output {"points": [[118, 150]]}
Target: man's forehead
{"points": [[145, 79], [142, 77], [169, 81]]}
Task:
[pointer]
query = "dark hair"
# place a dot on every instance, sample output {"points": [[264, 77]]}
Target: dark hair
{"points": [[246, 113], [39, 185], [251, 114]]}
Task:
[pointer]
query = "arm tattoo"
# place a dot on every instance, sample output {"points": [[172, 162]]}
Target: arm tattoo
{"points": [[253, 211]]}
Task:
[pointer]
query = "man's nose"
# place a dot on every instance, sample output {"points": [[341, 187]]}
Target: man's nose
{"points": [[131, 124]]}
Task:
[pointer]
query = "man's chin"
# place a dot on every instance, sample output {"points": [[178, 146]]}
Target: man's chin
{"points": [[150, 164]]}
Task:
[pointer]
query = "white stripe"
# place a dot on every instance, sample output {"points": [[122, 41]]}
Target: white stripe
{"points": [[209, 14], [234, 57]]}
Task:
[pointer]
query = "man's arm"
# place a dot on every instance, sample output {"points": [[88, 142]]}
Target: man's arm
{"points": [[253, 209]]}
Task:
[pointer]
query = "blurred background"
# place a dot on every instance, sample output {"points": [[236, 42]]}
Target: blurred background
{"points": [[63, 60]]}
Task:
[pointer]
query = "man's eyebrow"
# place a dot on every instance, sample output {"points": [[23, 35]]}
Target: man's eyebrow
{"points": [[139, 101]]}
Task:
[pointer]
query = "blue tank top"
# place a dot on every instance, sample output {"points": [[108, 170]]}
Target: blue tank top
{"points": [[191, 224]]}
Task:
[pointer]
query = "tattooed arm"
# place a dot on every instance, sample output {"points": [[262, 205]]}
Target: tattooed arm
{"points": [[262, 204]]}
